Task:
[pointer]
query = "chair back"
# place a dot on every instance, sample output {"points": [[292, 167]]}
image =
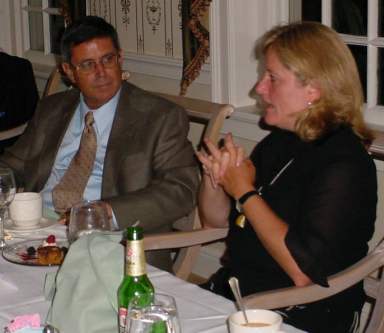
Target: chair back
{"points": [[53, 83], [213, 116]]}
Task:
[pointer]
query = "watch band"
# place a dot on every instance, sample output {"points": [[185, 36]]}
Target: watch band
{"points": [[246, 196]]}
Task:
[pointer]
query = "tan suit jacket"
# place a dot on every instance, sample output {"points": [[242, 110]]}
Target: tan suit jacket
{"points": [[150, 172]]}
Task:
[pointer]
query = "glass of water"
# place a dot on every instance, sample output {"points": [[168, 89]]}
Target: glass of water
{"points": [[160, 316], [88, 217], [7, 193]]}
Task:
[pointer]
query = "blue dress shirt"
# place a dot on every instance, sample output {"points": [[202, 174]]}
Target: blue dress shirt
{"points": [[103, 123]]}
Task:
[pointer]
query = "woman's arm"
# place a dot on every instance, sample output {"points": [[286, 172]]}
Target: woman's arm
{"points": [[214, 204], [270, 229]]}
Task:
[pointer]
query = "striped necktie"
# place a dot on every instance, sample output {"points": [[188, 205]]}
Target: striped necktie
{"points": [[71, 187]]}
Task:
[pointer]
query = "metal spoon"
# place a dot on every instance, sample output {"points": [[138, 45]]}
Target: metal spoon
{"points": [[234, 284]]}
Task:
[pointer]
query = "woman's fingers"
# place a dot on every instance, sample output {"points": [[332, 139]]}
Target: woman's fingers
{"points": [[207, 165], [203, 158], [212, 148], [225, 161], [240, 155]]}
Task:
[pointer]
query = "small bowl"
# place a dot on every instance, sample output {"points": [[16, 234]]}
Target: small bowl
{"points": [[264, 321]]}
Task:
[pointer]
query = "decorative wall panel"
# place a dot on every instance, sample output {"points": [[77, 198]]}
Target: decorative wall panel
{"points": [[145, 27], [103, 8]]}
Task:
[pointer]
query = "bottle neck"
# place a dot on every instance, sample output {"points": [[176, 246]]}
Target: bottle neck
{"points": [[135, 259]]}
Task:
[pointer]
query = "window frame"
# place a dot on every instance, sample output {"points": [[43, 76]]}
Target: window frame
{"points": [[40, 58], [373, 112]]}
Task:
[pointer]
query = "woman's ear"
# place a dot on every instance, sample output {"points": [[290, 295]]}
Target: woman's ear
{"points": [[313, 92]]}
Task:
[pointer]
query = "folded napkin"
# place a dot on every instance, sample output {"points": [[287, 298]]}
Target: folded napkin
{"points": [[85, 288]]}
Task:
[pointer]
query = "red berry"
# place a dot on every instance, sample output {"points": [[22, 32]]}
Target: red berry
{"points": [[51, 239]]}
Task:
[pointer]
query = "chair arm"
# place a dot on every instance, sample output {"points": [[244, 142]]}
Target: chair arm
{"points": [[11, 133], [180, 239], [300, 295]]}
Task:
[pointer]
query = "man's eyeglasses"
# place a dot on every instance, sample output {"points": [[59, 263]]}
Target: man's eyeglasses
{"points": [[89, 66]]}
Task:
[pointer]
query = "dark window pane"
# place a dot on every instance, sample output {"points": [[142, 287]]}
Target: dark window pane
{"points": [[57, 27], [311, 10], [350, 16], [36, 34], [55, 3], [380, 77], [381, 18], [76, 9], [360, 55]]}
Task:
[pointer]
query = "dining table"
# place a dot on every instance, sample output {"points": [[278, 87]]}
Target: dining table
{"points": [[22, 290]]}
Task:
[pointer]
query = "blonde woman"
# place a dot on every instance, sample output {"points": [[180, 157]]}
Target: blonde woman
{"points": [[303, 205]]}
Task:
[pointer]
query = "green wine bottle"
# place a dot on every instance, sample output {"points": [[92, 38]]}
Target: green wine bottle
{"points": [[136, 282]]}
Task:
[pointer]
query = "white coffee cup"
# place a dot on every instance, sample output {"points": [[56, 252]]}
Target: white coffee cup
{"points": [[264, 321], [26, 209]]}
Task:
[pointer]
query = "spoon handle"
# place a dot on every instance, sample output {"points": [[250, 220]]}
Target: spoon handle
{"points": [[234, 284]]}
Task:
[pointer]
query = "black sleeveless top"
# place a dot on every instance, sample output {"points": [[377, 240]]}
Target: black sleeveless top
{"points": [[327, 195]]}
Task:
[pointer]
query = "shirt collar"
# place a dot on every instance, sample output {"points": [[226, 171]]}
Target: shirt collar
{"points": [[103, 115]]}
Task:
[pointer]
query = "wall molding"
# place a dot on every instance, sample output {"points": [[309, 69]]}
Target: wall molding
{"points": [[162, 67]]}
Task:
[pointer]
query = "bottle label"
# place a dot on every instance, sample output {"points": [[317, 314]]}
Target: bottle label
{"points": [[135, 259], [122, 319]]}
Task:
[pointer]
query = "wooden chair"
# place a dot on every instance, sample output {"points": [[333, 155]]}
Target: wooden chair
{"points": [[13, 132], [362, 270], [213, 116], [53, 83]]}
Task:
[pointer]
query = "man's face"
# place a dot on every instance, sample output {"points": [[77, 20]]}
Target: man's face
{"points": [[95, 69]]}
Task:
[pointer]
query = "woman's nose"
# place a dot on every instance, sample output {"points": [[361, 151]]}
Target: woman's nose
{"points": [[261, 86]]}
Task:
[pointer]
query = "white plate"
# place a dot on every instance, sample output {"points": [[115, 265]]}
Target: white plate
{"points": [[17, 253], [44, 223]]}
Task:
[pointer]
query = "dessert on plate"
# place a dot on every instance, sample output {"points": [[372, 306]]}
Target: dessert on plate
{"points": [[48, 253]]}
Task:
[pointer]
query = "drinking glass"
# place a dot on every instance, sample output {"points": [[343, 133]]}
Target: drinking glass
{"points": [[7, 193], [160, 316], [88, 217]]}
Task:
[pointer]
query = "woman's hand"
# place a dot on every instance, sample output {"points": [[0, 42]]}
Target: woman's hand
{"points": [[220, 160], [214, 161], [239, 179]]}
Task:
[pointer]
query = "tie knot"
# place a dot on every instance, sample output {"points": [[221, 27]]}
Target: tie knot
{"points": [[89, 119]]}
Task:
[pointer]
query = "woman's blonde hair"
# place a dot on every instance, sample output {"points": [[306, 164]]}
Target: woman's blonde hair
{"points": [[317, 55]]}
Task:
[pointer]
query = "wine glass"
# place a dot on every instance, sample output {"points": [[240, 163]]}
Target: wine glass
{"points": [[7, 193], [159, 316], [88, 217]]}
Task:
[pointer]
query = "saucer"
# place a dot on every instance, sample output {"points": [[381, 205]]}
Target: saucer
{"points": [[44, 223]]}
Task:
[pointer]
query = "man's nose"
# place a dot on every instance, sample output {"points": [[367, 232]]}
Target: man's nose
{"points": [[99, 69]]}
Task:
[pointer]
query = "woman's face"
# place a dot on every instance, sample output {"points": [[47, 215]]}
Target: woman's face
{"points": [[283, 94]]}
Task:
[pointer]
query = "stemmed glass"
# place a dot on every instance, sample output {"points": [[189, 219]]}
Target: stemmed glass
{"points": [[7, 193], [87, 217], [159, 316]]}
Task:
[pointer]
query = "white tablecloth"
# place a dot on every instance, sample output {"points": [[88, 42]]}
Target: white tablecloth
{"points": [[21, 292]]}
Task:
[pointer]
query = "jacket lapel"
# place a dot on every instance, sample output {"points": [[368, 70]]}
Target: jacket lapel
{"points": [[121, 139], [55, 130]]}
